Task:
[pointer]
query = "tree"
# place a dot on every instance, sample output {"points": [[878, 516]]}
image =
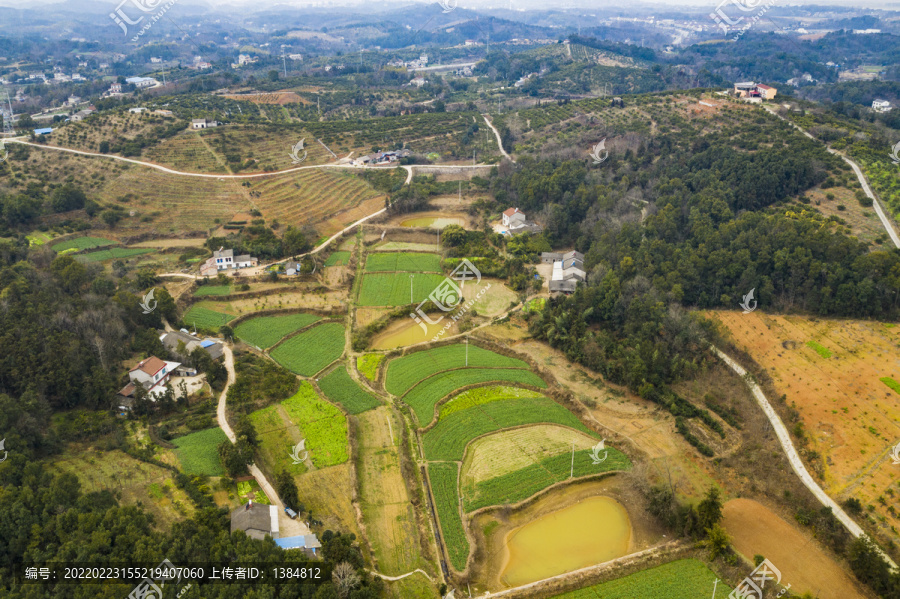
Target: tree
{"points": [[345, 578], [294, 242], [710, 509], [273, 75], [232, 459], [287, 490], [104, 147], [111, 217], [717, 541], [67, 197], [453, 235]]}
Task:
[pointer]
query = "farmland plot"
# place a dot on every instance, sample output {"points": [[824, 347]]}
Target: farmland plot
{"points": [[205, 318], [81, 243], [338, 259], [682, 579], [403, 261], [423, 397], [322, 425], [113, 254], [266, 331], [393, 289], [405, 372], [443, 485], [198, 452], [312, 350], [340, 388]]}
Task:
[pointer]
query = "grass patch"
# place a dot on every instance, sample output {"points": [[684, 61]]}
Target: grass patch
{"points": [[368, 365], [822, 351], [340, 388], [206, 318], [275, 440], [448, 439], [405, 372], [266, 331], [403, 261], [443, 485], [426, 394], [198, 452], [212, 290], [682, 579], [891, 383], [483, 395], [521, 484], [114, 254], [392, 289], [81, 243], [312, 350], [338, 259], [322, 425]]}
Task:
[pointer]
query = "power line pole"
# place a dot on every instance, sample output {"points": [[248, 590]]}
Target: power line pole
{"points": [[283, 61]]}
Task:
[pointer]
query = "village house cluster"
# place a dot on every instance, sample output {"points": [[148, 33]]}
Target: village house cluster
{"points": [[568, 270]]}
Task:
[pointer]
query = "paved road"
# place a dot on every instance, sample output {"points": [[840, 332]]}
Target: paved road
{"points": [[287, 527], [793, 457], [885, 221], [497, 135]]}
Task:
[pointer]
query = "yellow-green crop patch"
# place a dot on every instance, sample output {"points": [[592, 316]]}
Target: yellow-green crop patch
{"points": [[403, 261], [482, 395], [206, 318], [81, 243], [891, 383], [368, 365], [682, 579], [822, 351], [322, 425]]}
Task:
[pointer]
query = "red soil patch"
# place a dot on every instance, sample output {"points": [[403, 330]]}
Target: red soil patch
{"points": [[756, 530]]}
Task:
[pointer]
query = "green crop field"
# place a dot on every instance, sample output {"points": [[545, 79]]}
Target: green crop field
{"points": [[266, 331], [403, 261], [403, 373], [312, 350], [338, 259], [525, 482], [426, 394], [322, 425], [483, 395], [212, 290], [392, 289], [891, 383], [81, 243], [339, 387], [114, 254], [443, 486], [822, 351], [199, 452], [682, 579], [206, 318], [448, 439], [368, 365]]}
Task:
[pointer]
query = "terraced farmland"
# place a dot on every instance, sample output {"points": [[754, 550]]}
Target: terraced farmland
{"points": [[393, 289], [205, 318], [443, 486], [311, 196], [448, 439], [403, 261], [521, 484], [205, 290], [403, 373], [682, 579], [275, 437], [322, 425], [167, 203], [187, 152], [266, 331], [423, 397], [310, 351], [339, 387], [113, 254], [81, 243]]}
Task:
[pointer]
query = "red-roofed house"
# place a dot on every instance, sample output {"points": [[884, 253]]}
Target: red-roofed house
{"points": [[152, 374], [513, 217], [767, 92]]}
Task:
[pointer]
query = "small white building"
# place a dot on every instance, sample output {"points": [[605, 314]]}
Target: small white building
{"points": [[137, 110], [152, 374], [881, 106], [142, 82], [513, 217], [203, 124]]}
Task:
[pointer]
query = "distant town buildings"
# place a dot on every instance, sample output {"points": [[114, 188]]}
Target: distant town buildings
{"points": [[881, 106]]}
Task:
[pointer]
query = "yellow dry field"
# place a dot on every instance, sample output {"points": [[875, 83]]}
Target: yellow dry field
{"points": [[510, 450], [292, 299], [387, 512], [495, 299], [412, 587], [327, 493], [269, 98], [366, 316], [756, 530], [137, 481], [852, 419]]}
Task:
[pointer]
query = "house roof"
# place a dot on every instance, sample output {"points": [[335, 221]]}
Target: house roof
{"points": [[150, 366], [244, 258], [761, 86], [510, 211], [744, 84], [223, 253], [253, 517], [127, 390]]}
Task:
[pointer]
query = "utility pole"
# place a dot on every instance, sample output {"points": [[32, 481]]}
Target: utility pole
{"points": [[714, 588], [283, 61], [411, 301], [467, 350], [572, 467], [460, 192]]}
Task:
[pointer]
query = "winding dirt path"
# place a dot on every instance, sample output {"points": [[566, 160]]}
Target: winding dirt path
{"points": [[497, 135]]}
